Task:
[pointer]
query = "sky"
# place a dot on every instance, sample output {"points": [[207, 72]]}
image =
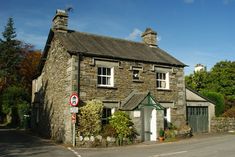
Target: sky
{"points": [[193, 31]]}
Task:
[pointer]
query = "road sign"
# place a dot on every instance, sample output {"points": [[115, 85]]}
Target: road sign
{"points": [[74, 100], [73, 118], [74, 110]]}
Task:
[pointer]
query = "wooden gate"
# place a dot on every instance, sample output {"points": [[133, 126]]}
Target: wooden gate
{"points": [[198, 119]]}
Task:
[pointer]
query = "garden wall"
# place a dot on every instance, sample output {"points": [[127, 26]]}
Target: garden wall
{"points": [[222, 124]]}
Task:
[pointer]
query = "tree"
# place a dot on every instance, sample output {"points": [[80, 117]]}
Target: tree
{"points": [[197, 81], [220, 79], [28, 67], [9, 55], [218, 99], [9, 32], [15, 103], [18, 62]]}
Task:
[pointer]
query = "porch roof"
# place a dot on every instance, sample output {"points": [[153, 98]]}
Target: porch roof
{"points": [[138, 100]]}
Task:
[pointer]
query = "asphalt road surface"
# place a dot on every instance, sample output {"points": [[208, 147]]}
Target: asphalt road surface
{"points": [[15, 143], [21, 144], [206, 146]]}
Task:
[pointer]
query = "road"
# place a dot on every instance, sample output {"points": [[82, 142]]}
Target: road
{"points": [[212, 146], [21, 144], [15, 143]]}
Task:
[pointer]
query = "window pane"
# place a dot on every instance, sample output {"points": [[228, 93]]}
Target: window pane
{"points": [[157, 75], [108, 81], [109, 71], [158, 84], [136, 74], [99, 70], [104, 71], [163, 84], [163, 76], [99, 80], [109, 112], [104, 82]]}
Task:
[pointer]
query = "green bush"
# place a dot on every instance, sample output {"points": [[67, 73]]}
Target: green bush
{"points": [[15, 104], [124, 127], [90, 118], [218, 99]]}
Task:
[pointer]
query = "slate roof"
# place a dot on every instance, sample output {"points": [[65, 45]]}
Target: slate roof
{"points": [[102, 46], [133, 100], [139, 99]]}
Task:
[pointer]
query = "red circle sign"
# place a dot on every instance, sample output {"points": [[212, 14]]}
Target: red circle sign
{"points": [[74, 100]]}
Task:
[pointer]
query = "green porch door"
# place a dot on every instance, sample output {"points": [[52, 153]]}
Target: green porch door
{"points": [[198, 118]]}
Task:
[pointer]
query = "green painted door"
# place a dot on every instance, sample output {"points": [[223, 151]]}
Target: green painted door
{"points": [[198, 119]]}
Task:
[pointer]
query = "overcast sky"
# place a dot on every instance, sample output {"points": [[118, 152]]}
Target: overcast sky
{"points": [[193, 31]]}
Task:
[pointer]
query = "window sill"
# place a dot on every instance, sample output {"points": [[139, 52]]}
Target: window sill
{"points": [[106, 87], [138, 81], [166, 90]]}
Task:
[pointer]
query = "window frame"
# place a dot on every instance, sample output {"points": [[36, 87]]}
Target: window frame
{"points": [[102, 75], [166, 80], [136, 70], [106, 115], [138, 74]]}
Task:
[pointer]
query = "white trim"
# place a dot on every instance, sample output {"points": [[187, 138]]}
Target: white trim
{"points": [[111, 76], [162, 80], [153, 125]]}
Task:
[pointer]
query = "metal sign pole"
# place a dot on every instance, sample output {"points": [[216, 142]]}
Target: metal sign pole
{"points": [[73, 134]]}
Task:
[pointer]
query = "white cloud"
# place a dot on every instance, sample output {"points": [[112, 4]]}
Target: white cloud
{"points": [[134, 34], [189, 1], [159, 38]]}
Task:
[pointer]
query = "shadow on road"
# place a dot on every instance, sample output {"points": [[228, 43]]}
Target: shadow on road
{"points": [[19, 143]]}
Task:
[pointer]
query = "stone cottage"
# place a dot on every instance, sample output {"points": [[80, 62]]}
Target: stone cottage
{"points": [[137, 77]]}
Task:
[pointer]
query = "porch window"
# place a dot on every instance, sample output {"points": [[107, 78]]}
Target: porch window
{"points": [[105, 76], [162, 79], [105, 115]]}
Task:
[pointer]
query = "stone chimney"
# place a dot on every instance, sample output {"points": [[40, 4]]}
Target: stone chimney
{"points": [[149, 37], [60, 21]]}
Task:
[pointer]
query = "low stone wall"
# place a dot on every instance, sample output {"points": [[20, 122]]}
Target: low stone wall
{"points": [[222, 124], [99, 141]]}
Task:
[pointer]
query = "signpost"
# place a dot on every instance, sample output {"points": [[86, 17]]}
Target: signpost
{"points": [[73, 101], [73, 109]]}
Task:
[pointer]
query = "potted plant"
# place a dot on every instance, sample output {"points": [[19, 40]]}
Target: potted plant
{"points": [[161, 135]]}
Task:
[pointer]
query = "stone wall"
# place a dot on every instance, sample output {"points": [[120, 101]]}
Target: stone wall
{"points": [[54, 119], [222, 124], [59, 79], [124, 85]]}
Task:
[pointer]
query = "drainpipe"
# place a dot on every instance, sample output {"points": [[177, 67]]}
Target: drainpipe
{"points": [[78, 79]]}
